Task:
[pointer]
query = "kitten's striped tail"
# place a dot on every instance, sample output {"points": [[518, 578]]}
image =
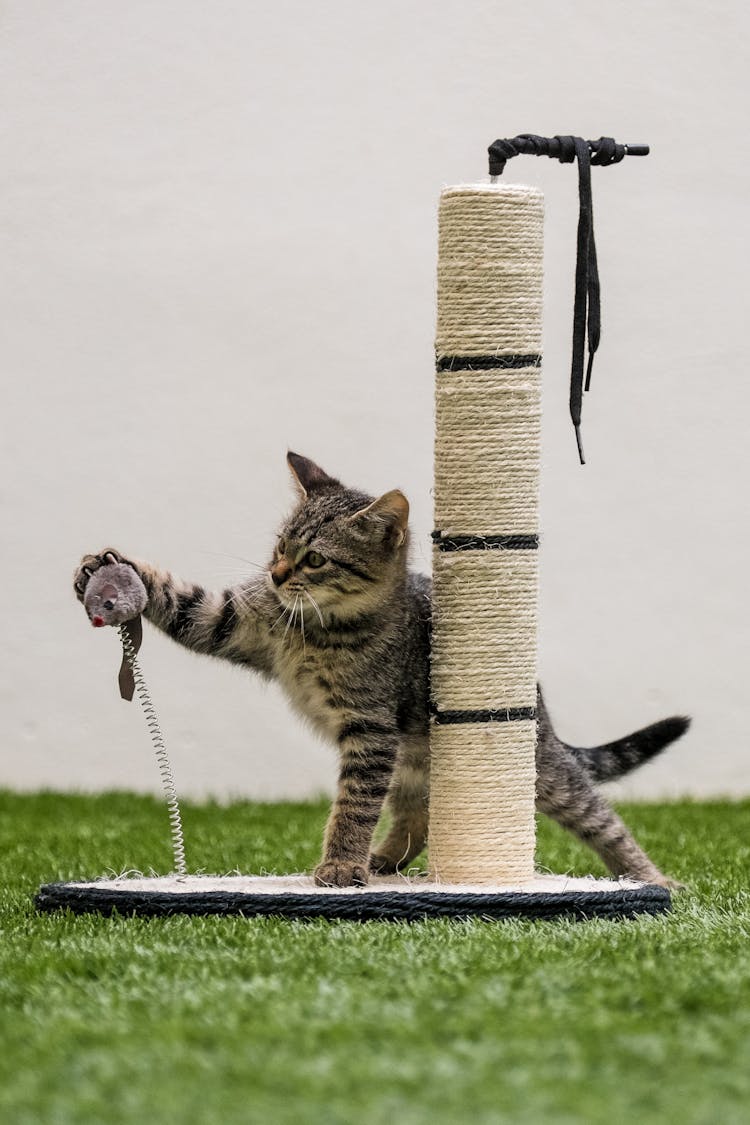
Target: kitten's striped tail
{"points": [[614, 759]]}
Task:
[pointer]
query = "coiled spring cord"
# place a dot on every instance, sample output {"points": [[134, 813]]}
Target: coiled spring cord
{"points": [[162, 759]]}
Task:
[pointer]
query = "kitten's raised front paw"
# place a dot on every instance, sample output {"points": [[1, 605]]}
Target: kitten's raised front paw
{"points": [[340, 873], [382, 864], [91, 563]]}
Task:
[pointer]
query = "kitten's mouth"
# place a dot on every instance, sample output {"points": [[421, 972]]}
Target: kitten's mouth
{"points": [[299, 597], [287, 594]]}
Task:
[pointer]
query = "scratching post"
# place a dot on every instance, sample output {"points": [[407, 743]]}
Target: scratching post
{"points": [[484, 675], [485, 574]]}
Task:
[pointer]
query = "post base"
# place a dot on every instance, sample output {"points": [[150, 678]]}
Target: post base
{"points": [[391, 898]]}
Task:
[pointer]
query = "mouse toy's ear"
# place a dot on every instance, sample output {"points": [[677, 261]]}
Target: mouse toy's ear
{"points": [[308, 476]]}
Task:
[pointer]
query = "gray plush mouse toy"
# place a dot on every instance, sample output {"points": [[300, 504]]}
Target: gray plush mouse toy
{"points": [[115, 595]]}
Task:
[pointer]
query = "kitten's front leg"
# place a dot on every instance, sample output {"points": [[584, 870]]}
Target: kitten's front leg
{"points": [[368, 751], [232, 624], [172, 605]]}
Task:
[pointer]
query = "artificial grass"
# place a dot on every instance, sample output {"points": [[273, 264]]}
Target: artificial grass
{"points": [[227, 1020]]}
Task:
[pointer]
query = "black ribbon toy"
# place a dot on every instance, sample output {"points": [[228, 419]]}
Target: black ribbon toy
{"points": [[587, 307]]}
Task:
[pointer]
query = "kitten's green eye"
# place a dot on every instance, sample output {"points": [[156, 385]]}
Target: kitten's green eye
{"points": [[281, 546], [313, 559]]}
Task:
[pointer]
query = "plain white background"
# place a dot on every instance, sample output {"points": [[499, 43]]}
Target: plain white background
{"points": [[219, 227]]}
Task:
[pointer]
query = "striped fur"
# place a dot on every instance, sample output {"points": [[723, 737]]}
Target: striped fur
{"points": [[344, 628]]}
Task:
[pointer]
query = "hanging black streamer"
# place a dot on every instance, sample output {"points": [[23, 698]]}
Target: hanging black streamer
{"points": [[587, 305]]}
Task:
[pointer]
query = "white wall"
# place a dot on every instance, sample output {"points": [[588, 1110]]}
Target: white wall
{"points": [[219, 242]]}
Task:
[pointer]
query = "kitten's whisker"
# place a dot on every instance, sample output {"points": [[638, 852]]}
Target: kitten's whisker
{"points": [[288, 615], [316, 607], [296, 608], [292, 615], [238, 558], [244, 596], [283, 613], [302, 624], [237, 599], [236, 577]]}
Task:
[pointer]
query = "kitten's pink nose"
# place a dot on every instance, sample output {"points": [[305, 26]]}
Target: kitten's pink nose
{"points": [[280, 571], [97, 621]]}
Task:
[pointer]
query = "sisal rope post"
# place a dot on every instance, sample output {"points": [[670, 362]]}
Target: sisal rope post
{"points": [[487, 454]]}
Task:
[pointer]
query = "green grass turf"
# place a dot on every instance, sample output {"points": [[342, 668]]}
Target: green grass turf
{"points": [[227, 1020]]}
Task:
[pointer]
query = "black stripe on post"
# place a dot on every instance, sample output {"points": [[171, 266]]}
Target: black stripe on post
{"points": [[486, 362], [485, 542], [502, 715]]}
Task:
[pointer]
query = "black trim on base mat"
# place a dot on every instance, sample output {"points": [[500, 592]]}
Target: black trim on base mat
{"points": [[360, 907]]}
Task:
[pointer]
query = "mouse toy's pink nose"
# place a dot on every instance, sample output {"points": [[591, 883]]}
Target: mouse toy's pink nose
{"points": [[97, 621]]}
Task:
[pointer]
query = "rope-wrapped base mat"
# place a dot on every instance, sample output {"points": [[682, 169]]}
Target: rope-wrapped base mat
{"points": [[389, 898]]}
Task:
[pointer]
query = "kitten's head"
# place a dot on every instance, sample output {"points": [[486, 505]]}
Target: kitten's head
{"points": [[340, 547]]}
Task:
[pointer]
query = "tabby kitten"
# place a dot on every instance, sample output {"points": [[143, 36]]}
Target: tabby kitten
{"points": [[344, 626]]}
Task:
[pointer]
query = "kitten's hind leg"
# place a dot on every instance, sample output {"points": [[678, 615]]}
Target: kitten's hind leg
{"points": [[405, 840], [572, 801], [408, 804]]}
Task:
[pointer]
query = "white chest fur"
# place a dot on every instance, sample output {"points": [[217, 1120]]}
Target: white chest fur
{"points": [[308, 682]]}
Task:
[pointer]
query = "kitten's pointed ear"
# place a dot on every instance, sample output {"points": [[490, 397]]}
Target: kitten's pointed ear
{"points": [[391, 512], [307, 475]]}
